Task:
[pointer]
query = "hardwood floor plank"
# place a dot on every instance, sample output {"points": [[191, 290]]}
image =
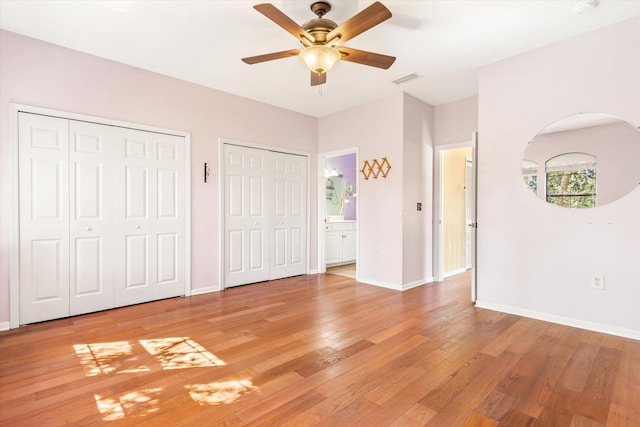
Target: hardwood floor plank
{"points": [[595, 399], [316, 350]]}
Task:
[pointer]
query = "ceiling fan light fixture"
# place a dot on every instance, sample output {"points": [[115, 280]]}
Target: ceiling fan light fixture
{"points": [[319, 59]]}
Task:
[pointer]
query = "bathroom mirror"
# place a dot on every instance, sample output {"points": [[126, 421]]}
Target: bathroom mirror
{"points": [[583, 161], [334, 194]]}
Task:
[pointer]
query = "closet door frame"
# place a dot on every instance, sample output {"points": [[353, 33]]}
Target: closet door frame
{"points": [[222, 195], [14, 251]]}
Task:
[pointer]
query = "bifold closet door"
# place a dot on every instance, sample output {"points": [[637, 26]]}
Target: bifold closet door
{"points": [[288, 236], [247, 198], [102, 217], [92, 260], [150, 225], [265, 205], [44, 217]]}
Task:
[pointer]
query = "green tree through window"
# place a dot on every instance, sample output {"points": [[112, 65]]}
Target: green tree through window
{"points": [[572, 188]]}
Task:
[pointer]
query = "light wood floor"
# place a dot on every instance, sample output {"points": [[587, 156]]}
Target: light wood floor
{"points": [[347, 270], [316, 350]]}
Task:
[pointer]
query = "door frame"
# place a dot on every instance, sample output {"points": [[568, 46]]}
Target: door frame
{"points": [[322, 192], [439, 204], [14, 259], [222, 193]]}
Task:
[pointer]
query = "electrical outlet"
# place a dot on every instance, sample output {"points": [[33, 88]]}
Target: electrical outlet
{"points": [[381, 256], [597, 282]]}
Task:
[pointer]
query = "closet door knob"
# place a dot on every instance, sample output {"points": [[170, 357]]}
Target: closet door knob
{"points": [[88, 229], [138, 227]]}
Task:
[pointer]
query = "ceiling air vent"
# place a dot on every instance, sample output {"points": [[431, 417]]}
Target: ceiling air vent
{"points": [[407, 78]]}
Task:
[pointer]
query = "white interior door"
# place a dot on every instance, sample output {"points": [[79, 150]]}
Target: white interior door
{"points": [[43, 157], [474, 215], [265, 215], [103, 218], [288, 237], [91, 226], [246, 198], [151, 216], [469, 213]]}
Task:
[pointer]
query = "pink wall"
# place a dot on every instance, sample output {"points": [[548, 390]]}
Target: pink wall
{"points": [[455, 121], [376, 129], [417, 239], [535, 259], [399, 128], [44, 75]]}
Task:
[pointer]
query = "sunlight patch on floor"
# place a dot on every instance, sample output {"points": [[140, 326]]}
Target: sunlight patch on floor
{"points": [[221, 392], [180, 353], [105, 358], [136, 403]]}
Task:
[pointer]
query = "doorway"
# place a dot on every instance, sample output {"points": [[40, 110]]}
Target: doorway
{"points": [[455, 205], [338, 208]]}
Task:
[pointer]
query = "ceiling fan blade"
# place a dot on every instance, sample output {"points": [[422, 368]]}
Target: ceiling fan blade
{"points": [[366, 58], [273, 13], [318, 78], [271, 56], [361, 22]]}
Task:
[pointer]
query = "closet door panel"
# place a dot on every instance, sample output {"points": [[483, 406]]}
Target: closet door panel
{"points": [[44, 217], [92, 218], [170, 213], [288, 234], [246, 223], [135, 217]]}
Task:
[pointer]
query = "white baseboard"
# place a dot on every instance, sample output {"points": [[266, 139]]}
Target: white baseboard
{"points": [[379, 283], [314, 271], [567, 321], [5, 326], [417, 283], [393, 286], [206, 290]]}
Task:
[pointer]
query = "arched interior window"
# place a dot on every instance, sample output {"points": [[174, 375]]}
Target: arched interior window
{"points": [[571, 180], [530, 175]]}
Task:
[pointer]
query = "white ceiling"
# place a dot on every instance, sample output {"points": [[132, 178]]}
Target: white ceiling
{"points": [[202, 42]]}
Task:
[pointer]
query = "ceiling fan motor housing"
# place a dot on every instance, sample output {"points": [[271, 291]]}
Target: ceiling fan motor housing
{"points": [[319, 28]]}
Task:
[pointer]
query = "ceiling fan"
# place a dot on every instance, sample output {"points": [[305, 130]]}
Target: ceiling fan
{"points": [[322, 39]]}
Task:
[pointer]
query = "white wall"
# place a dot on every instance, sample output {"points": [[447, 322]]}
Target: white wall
{"points": [[533, 258], [44, 75]]}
